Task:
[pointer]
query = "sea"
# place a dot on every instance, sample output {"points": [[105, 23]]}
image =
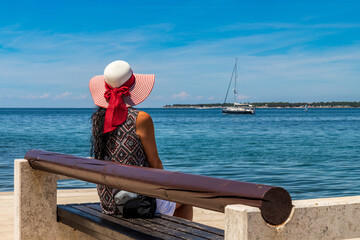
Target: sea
{"points": [[312, 154]]}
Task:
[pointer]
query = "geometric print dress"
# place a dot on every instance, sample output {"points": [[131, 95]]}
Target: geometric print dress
{"points": [[122, 146]]}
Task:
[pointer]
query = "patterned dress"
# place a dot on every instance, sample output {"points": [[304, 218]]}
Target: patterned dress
{"points": [[123, 146]]}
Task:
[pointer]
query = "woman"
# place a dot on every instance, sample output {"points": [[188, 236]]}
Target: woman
{"points": [[123, 134]]}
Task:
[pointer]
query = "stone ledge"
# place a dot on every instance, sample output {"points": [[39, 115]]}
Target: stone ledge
{"points": [[327, 218]]}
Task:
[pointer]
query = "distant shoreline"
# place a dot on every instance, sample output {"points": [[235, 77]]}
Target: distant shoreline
{"points": [[272, 105]]}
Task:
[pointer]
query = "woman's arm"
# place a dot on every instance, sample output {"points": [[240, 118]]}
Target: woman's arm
{"points": [[145, 130]]}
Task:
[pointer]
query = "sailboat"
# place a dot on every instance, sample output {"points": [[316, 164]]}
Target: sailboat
{"points": [[238, 108]]}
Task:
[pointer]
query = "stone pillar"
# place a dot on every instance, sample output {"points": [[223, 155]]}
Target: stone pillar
{"points": [[35, 202], [35, 206], [328, 218], [236, 221]]}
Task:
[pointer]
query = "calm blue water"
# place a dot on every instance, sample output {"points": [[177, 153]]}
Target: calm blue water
{"points": [[312, 154]]}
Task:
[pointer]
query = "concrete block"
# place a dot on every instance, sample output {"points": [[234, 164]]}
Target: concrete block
{"points": [[35, 206], [35, 202], [331, 218]]}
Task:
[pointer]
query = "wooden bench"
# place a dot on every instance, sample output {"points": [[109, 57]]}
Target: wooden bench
{"points": [[37, 204], [89, 219]]}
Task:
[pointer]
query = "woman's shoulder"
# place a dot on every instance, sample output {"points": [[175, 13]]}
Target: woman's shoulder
{"points": [[143, 115], [143, 118], [143, 123]]}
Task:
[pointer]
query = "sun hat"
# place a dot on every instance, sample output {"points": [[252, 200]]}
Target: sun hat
{"points": [[118, 89], [115, 74]]}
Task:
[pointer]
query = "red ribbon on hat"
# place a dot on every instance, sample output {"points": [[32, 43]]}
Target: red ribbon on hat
{"points": [[116, 112]]}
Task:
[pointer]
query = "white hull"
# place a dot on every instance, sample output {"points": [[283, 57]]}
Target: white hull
{"points": [[238, 110]]}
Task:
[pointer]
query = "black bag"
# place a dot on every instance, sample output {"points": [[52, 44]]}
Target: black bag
{"points": [[140, 207]]}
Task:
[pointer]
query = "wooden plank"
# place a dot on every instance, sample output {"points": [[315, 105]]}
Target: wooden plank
{"points": [[185, 228], [95, 206], [206, 228], [76, 217], [182, 221], [206, 231], [77, 224], [179, 224], [151, 226]]}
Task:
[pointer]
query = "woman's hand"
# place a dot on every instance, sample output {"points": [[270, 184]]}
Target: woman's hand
{"points": [[145, 131]]}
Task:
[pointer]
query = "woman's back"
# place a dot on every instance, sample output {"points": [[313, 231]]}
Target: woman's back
{"points": [[123, 146]]}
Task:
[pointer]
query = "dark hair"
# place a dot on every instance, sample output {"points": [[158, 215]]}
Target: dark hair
{"points": [[98, 138]]}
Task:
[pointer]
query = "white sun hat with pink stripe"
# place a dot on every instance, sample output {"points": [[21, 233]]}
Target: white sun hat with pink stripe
{"points": [[118, 74]]}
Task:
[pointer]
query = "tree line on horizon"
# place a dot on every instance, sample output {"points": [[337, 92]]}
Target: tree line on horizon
{"points": [[275, 104]]}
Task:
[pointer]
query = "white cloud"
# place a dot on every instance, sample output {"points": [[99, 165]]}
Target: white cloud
{"points": [[81, 97], [45, 95], [181, 95], [199, 97], [63, 95]]}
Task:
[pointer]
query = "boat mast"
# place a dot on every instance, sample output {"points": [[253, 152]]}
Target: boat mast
{"points": [[232, 75], [235, 82]]}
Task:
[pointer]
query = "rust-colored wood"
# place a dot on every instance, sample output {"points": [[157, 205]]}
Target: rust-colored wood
{"points": [[201, 191]]}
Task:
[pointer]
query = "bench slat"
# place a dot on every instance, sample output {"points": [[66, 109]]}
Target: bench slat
{"points": [[152, 227], [182, 221], [184, 228], [87, 223], [88, 217], [78, 224], [189, 227], [212, 230]]}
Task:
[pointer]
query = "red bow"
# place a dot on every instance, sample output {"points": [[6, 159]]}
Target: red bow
{"points": [[116, 113]]}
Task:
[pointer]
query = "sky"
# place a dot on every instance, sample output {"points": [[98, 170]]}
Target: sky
{"points": [[293, 51]]}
